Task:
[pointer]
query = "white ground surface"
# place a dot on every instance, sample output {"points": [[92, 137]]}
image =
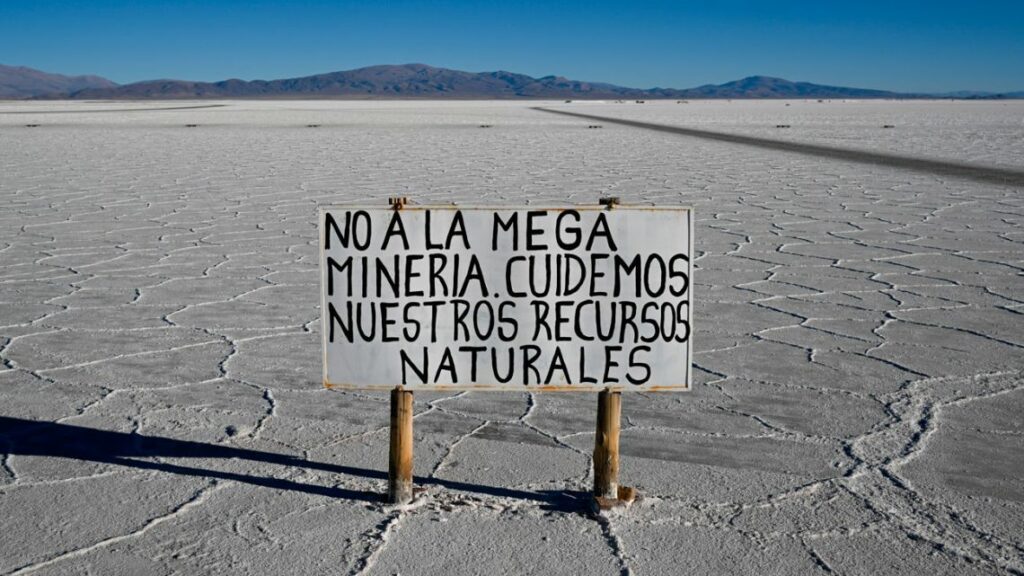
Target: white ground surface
{"points": [[859, 346]]}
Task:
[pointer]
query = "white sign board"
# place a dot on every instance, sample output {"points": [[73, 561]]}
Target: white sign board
{"points": [[472, 298]]}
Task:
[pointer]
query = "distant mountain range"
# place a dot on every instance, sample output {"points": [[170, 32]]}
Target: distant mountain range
{"points": [[419, 81], [21, 82]]}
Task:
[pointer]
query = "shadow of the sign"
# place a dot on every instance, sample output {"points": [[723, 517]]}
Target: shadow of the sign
{"points": [[38, 438]]}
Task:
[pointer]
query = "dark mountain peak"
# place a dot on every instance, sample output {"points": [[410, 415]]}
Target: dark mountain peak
{"points": [[756, 79], [417, 66], [392, 69], [772, 87], [759, 82]]}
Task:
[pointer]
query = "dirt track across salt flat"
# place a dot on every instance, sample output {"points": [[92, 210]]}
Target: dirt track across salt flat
{"points": [[859, 345]]}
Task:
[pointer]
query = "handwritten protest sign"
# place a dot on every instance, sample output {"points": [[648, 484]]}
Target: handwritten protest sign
{"points": [[460, 298]]}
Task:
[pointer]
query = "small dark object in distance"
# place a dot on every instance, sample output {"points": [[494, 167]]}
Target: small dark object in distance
{"points": [[888, 126], [312, 125], [31, 125], [191, 125], [782, 126], [595, 126], [485, 125], [639, 101], [568, 101]]}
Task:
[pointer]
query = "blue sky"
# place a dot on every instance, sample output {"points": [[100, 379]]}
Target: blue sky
{"points": [[909, 46]]}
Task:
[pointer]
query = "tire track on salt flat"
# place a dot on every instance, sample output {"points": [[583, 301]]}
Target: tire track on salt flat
{"points": [[985, 174]]}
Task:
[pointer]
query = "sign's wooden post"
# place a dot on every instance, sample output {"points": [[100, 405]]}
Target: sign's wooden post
{"points": [[606, 444], [400, 456]]}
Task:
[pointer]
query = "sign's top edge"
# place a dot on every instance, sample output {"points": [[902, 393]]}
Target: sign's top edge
{"points": [[586, 207]]}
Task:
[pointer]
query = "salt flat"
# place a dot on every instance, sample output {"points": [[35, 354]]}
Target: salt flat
{"points": [[858, 366]]}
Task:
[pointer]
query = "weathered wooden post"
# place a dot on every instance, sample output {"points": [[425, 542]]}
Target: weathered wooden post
{"points": [[606, 444], [400, 456]]}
